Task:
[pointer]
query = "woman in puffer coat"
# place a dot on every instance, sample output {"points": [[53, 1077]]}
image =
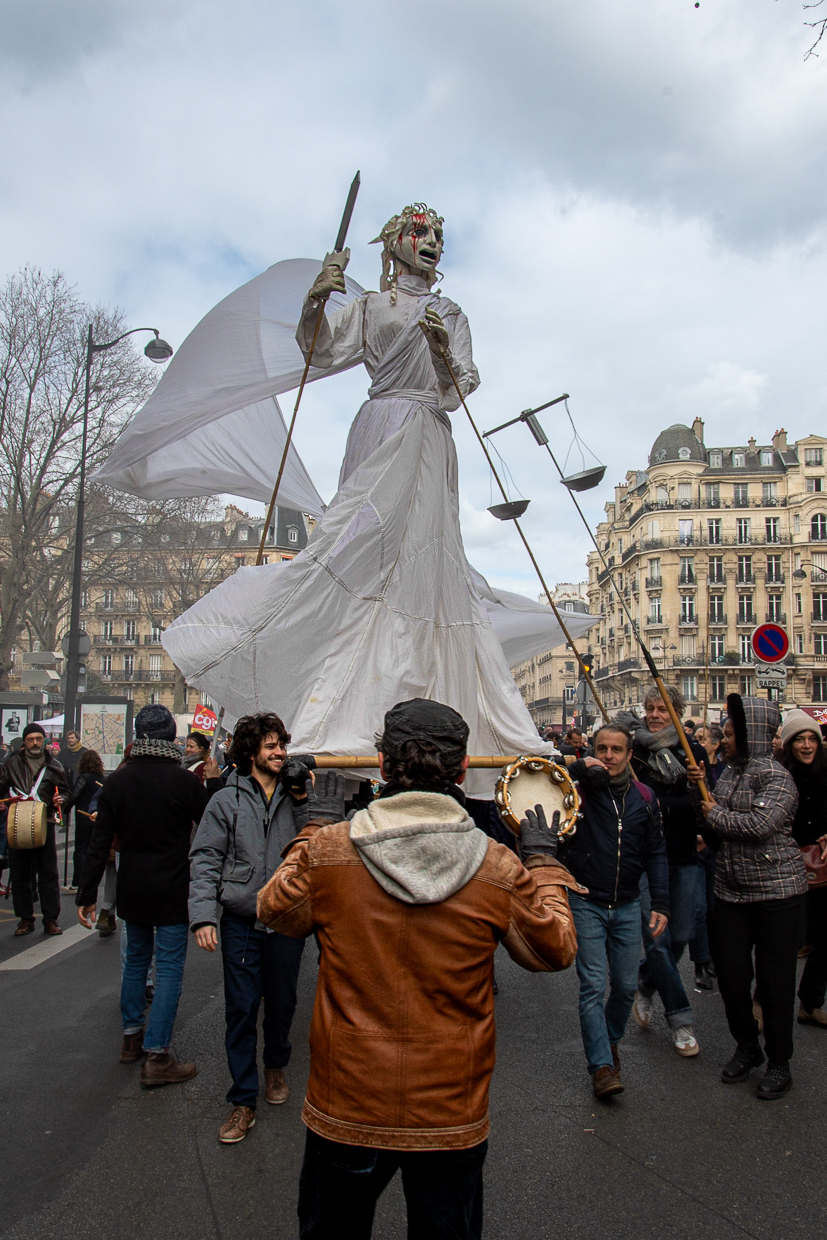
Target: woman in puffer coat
{"points": [[760, 892]]}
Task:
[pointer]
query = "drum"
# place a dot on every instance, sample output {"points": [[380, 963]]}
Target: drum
{"points": [[27, 824], [537, 781]]}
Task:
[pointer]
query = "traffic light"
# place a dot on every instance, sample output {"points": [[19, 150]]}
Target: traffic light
{"points": [[587, 662]]}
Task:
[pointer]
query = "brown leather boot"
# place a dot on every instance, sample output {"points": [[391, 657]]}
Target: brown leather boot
{"points": [[234, 1128], [162, 1068], [606, 1081], [132, 1049], [615, 1059], [817, 1016], [25, 926], [50, 926], [275, 1086]]}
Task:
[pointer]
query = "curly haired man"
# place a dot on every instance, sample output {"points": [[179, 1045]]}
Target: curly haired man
{"points": [[237, 848]]}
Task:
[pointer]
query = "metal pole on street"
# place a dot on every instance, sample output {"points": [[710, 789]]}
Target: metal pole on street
{"points": [[157, 351]]}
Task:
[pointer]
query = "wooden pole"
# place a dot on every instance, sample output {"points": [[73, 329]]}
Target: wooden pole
{"points": [[289, 438], [340, 762]]}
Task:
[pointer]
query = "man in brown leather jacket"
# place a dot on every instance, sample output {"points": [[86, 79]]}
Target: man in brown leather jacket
{"points": [[409, 901]]}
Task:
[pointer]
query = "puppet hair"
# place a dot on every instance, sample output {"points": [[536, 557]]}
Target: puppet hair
{"points": [[389, 236]]}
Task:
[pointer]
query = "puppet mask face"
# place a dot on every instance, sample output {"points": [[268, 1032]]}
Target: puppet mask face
{"points": [[420, 243]]}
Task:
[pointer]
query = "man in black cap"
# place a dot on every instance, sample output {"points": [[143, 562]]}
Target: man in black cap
{"points": [[153, 804], [35, 772], [409, 902]]}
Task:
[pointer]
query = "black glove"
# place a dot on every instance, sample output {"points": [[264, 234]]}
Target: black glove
{"points": [[537, 838], [326, 796], [596, 777], [296, 772]]}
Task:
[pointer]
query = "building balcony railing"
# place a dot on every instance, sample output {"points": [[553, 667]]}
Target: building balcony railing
{"points": [[102, 639], [654, 583], [151, 640], [745, 579], [601, 673], [628, 665], [819, 616], [686, 582], [718, 619], [113, 607], [778, 617], [688, 622], [746, 618], [777, 579], [718, 580], [654, 622], [125, 677], [819, 576]]}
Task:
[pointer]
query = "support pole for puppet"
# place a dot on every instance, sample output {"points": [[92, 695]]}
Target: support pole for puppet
{"points": [[583, 668], [337, 249]]}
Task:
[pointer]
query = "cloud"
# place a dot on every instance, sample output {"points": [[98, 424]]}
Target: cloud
{"points": [[655, 252]]}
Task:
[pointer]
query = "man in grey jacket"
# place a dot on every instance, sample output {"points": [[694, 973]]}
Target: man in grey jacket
{"points": [[236, 850]]}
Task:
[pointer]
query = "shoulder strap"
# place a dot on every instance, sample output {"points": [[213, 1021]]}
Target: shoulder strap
{"points": [[644, 790]]}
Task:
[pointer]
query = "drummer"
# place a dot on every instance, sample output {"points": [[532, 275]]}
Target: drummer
{"points": [[619, 838]]}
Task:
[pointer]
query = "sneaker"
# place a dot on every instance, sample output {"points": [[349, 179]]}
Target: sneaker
{"points": [[775, 1083], [817, 1016], [236, 1126], [275, 1086], [685, 1042], [747, 1056], [642, 1010], [605, 1082], [703, 978]]}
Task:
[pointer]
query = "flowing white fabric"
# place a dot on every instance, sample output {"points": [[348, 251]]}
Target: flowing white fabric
{"points": [[213, 423], [382, 605]]}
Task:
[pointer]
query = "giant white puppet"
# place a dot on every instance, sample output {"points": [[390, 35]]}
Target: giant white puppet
{"points": [[382, 605]]}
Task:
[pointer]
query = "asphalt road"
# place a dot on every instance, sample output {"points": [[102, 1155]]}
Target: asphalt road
{"points": [[86, 1152]]}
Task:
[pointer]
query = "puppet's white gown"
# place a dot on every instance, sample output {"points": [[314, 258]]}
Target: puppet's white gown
{"points": [[382, 605]]}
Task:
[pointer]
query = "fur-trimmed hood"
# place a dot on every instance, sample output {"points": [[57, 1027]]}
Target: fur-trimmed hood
{"points": [[756, 722]]}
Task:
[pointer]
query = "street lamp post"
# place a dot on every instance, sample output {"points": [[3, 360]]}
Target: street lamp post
{"points": [[157, 351]]}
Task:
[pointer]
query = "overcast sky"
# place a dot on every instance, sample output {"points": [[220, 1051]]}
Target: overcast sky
{"points": [[633, 191]]}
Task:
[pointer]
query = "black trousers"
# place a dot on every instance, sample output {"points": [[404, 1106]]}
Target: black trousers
{"points": [[83, 834], [340, 1185], [257, 966], [774, 929], [813, 986], [24, 864]]}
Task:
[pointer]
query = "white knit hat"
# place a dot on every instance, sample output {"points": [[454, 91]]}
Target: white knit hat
{"points": [[797, 721]]}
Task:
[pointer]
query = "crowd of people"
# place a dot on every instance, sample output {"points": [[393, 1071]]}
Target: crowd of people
{"points": [[409, 893]]}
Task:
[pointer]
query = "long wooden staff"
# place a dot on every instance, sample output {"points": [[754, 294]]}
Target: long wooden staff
{"points": [[584, 670], [337, 249]]}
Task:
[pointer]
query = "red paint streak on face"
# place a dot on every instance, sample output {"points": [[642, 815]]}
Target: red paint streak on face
{"points": [[416, 221]]}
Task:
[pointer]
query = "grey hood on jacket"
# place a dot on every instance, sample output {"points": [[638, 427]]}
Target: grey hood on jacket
{"points": [[237, 848], [421, 847]]}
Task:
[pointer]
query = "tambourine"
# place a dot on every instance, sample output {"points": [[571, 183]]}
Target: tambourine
{"points": [[537, 781], [27, 824]]}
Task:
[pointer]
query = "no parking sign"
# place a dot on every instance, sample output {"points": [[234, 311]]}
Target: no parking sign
{"points": [[770, 643]]}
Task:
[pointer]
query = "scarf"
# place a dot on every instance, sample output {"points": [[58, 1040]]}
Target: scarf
{"points": [[619, 783], [661, 761], [193, 760], [148, 748]]}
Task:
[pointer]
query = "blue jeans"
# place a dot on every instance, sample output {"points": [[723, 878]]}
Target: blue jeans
{"points": [[605, 936], [340, 1185], [170, 953], [257, 965], [658, 969]]}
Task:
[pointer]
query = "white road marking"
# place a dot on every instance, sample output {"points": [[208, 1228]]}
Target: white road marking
{"points": [[44, 951]]}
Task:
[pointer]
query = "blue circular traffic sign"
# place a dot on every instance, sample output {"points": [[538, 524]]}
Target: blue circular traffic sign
{"points": [[770, 643]]}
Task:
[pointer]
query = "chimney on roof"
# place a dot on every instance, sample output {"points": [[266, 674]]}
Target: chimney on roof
{"points": [[751, 444], [779, 440], [698, 429]]}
